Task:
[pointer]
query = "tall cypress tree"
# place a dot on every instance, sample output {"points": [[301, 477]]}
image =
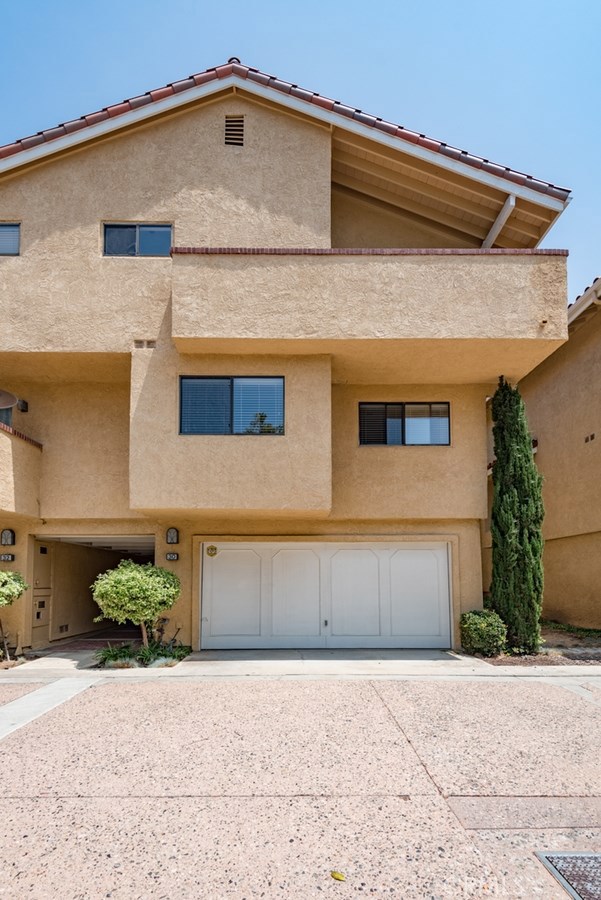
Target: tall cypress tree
{"points": [[517, 517]]}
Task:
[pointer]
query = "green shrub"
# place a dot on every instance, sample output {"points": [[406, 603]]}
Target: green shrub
{"points": [[169, 654], [516, 523], [12, 585], [135, 592], [483, 632], [112, 654]]}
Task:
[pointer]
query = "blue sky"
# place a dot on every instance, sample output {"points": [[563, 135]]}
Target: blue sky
{"points": [[515, 82]]}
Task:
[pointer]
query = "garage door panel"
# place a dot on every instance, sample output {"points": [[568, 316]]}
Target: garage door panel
{"points": [[295, 593], [355, 593], [236, 593], [417, 597]]}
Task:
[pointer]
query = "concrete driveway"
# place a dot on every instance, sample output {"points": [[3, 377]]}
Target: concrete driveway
{"points": [[438, 786]]}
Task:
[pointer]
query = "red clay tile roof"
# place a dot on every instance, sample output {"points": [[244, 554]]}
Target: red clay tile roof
{"points": [[234, 67], [596, 282]]}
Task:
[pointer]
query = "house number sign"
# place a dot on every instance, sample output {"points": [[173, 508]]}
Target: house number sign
{"points": [[7, 557], [172, 556]]}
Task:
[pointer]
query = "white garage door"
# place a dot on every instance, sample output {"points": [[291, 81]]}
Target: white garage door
{"points": [[262, 595]]}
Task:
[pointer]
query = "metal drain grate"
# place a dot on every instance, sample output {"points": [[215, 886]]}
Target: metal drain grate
{"points": [[578, 873]]}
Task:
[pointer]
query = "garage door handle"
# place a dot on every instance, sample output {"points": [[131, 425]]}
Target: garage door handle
{"points": [[325, 622]]}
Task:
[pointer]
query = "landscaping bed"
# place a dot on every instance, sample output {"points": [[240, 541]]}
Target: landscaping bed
{"points": [[133, 655], [564, 645]]}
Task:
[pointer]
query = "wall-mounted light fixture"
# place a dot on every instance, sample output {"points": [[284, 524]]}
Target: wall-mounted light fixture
{"points": [[172, 536], [7, 538]]}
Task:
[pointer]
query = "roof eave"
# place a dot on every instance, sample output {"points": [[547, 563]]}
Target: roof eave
{"points": [[185, 98], [590, 298]]}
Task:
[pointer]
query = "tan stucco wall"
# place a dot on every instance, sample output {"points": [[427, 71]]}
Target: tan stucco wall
{"points": [[562, 406], [363, 222], [84, 429], [573, 580], [74, 568], [289, 473], [562, 403], [223, 302], [410, 482], [20, 466], [62, 294]]}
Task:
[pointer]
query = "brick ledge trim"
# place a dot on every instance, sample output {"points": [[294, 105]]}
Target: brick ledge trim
{"points": [[19, 434], [360, 251]]}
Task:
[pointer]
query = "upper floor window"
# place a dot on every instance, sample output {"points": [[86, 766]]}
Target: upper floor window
{"points": [[10, 234], [417, 424], [215, 405], [137, 240]]}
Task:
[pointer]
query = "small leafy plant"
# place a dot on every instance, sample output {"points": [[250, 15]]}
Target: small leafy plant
{"points": [[154, 655], [483, 632], [12, 585]]}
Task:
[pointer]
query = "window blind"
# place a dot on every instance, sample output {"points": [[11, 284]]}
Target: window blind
{"points": [[205, 406], [404, 423], [258, 406], [9, 239], [231, 405]]}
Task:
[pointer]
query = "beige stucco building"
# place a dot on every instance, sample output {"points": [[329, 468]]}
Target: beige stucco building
{"points": [[297, 387], [562, 402]]}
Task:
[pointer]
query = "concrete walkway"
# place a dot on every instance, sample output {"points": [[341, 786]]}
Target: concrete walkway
{"points": [[387, 664], [417, 775]]}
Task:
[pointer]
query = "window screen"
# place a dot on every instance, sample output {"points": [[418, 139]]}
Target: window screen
{"points": [[9, 239], [426, 423], [232, 405], [404, 423], [137, 240]]}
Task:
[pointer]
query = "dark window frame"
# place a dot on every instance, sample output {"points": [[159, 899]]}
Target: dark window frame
{"points": [[137, 226], [403, 405], [16, 225], [231, 432]]}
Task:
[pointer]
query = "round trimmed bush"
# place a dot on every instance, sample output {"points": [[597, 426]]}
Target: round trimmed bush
{"points": [[135, 592], [483, 632]]}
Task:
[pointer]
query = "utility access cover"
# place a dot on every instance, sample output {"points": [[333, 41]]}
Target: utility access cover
{"points": [[578, 873]]}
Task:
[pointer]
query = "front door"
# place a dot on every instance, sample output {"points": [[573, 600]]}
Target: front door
{"points": [[42, 594]]}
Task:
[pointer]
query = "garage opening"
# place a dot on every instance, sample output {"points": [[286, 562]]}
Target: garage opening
{"points": [[64, 569]]}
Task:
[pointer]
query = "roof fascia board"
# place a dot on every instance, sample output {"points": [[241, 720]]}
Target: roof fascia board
{"points": [[313, 111], [134, 117], [591, 297]]}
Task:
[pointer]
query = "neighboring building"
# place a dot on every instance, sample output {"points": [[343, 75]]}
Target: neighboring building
{"points": [[563, 402], [298, 388]]}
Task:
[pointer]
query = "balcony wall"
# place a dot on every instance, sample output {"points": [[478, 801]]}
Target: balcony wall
{"points": [[20, 466], [289, 474], [451, 316]]}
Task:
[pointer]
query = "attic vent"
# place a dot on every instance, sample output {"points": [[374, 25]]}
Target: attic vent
{"points": [[234, 131]]}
